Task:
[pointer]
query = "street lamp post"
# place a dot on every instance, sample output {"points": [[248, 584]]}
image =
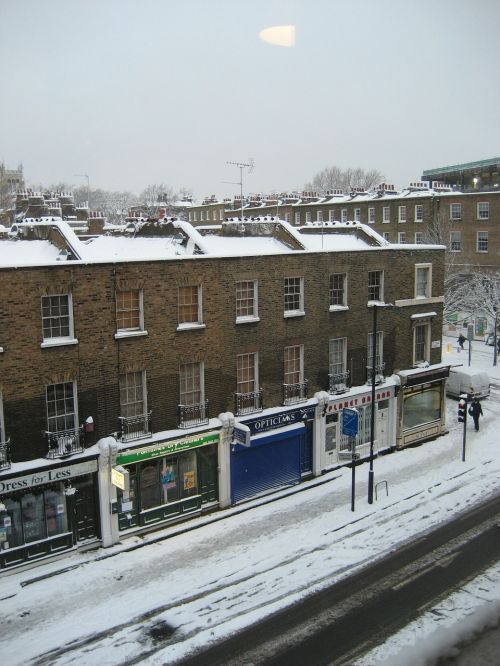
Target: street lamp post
{"points": [[372, 414]]}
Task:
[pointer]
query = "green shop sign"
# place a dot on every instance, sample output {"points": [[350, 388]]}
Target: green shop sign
{"points": [[165, 448]]}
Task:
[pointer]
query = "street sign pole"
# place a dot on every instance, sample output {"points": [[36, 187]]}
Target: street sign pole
{"points": [[350, 427], [353, 471]]}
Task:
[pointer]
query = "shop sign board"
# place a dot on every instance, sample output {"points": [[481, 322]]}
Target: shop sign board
{"points": [[120, 477], [272, 421], [241, 434], [166, 448], [3, 534], [350, 419], [43, 476]]}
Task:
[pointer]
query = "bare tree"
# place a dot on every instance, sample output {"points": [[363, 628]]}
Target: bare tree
{"points": [[332, 178], [155, 197]]}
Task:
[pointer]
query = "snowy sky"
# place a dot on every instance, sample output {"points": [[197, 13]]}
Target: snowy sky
{"points": [[134, 92], [229, 573]]}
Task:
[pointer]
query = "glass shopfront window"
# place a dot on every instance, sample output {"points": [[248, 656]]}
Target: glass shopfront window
{"points": [[422, 404], [166, 480], [36, 516]]}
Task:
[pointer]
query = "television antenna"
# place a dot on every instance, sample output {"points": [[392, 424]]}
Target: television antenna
{"points": [[242, 165]]}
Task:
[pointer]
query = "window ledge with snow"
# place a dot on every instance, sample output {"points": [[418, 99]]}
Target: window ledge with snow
{"points": [[246, 320], [294, 313], [58, 342], [338, 308], [190, 327], [119, 335]]}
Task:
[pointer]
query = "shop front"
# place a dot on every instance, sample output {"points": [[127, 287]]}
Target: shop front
{"points": [[278, 454], [337, 446], [47, 511], [422, 405], [167, 480]]}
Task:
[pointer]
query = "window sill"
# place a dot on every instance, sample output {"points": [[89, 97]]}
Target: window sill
{"points": [[338, 308], [294, 313], [129, 334], [190, 327], [58, 342], [246, 320]]}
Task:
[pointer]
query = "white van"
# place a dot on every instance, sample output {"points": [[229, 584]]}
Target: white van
{"points": [[466, 381]]}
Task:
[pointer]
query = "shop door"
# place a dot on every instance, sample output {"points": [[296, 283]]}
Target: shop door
{"points": [[85, 510], [382, 423], [331, 440], [306, 448], [207, 474]]}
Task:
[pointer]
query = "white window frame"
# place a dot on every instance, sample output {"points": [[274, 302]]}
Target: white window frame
{"points": [[427, 270], [331, 290], [244, 383], [186, 325], [337, 356], [379, 359], [293, 312], [297, 219], [426, 342], [386, 214], [73, 414], [58, 340], [308, 216], [331, 215], [214, 215], [419, 213], [386, 236], [197, 380], [195, 215], [454, 241], [419, 237], [482, 239], [380, 286], [401, 237], [343, 215], [455, 211], [319, 216], [357, 214], [134, 330], [242, 319], [483, 210], [126, 386], [221, 215], [297, 357], [371, 215], [402, 214]]}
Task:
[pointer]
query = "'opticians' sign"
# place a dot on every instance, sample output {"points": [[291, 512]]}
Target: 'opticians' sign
{"points": [[166, 448], [42, 476]]}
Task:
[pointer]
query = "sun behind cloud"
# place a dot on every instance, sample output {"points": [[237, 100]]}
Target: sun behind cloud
{"points": [[279, 35]]}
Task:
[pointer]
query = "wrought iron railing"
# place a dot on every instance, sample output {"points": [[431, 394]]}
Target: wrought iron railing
{"points": [[246, 403], [193, 415], [134, 427], [5, 454], [294, 392], [65, 442], [338, 382], [379, 373]]}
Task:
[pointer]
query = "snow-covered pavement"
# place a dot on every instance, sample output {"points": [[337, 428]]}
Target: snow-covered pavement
{"points": [[201, 585]]}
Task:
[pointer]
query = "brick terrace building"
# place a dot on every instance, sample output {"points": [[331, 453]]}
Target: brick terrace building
{"points": [[170, 370]]}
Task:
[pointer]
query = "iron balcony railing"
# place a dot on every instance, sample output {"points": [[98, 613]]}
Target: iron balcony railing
{"points": [[5, 461], [193, 415], [294, 392], [379, 373], [246, 403], [134, 427], [338, 382], [65, 442]]}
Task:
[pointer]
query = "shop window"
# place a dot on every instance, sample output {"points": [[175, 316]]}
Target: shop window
{"points": [[294, 296], [338, 291], [55, 512], [15, 529], [246, 301], [57, 319], [150, 484], [422, 405], [129, 311], [190, 306]]}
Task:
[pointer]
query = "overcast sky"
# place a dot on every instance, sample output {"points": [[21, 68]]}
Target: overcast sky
{"points": [[135, 92]]}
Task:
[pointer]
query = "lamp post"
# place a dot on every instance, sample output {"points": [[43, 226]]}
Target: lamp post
{"points": [[375, 306]]}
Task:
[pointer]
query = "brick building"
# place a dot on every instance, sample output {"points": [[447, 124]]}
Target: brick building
{"points": [[152, 375]]}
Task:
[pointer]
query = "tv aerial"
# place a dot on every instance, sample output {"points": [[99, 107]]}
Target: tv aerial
{"points": [[250, 165]]}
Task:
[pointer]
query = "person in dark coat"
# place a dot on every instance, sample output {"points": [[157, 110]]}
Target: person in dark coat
{"points": [[461, 341], [475, 410]]}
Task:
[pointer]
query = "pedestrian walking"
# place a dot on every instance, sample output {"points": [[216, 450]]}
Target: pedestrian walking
{"points": [[475, 410], [461, 341]]}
